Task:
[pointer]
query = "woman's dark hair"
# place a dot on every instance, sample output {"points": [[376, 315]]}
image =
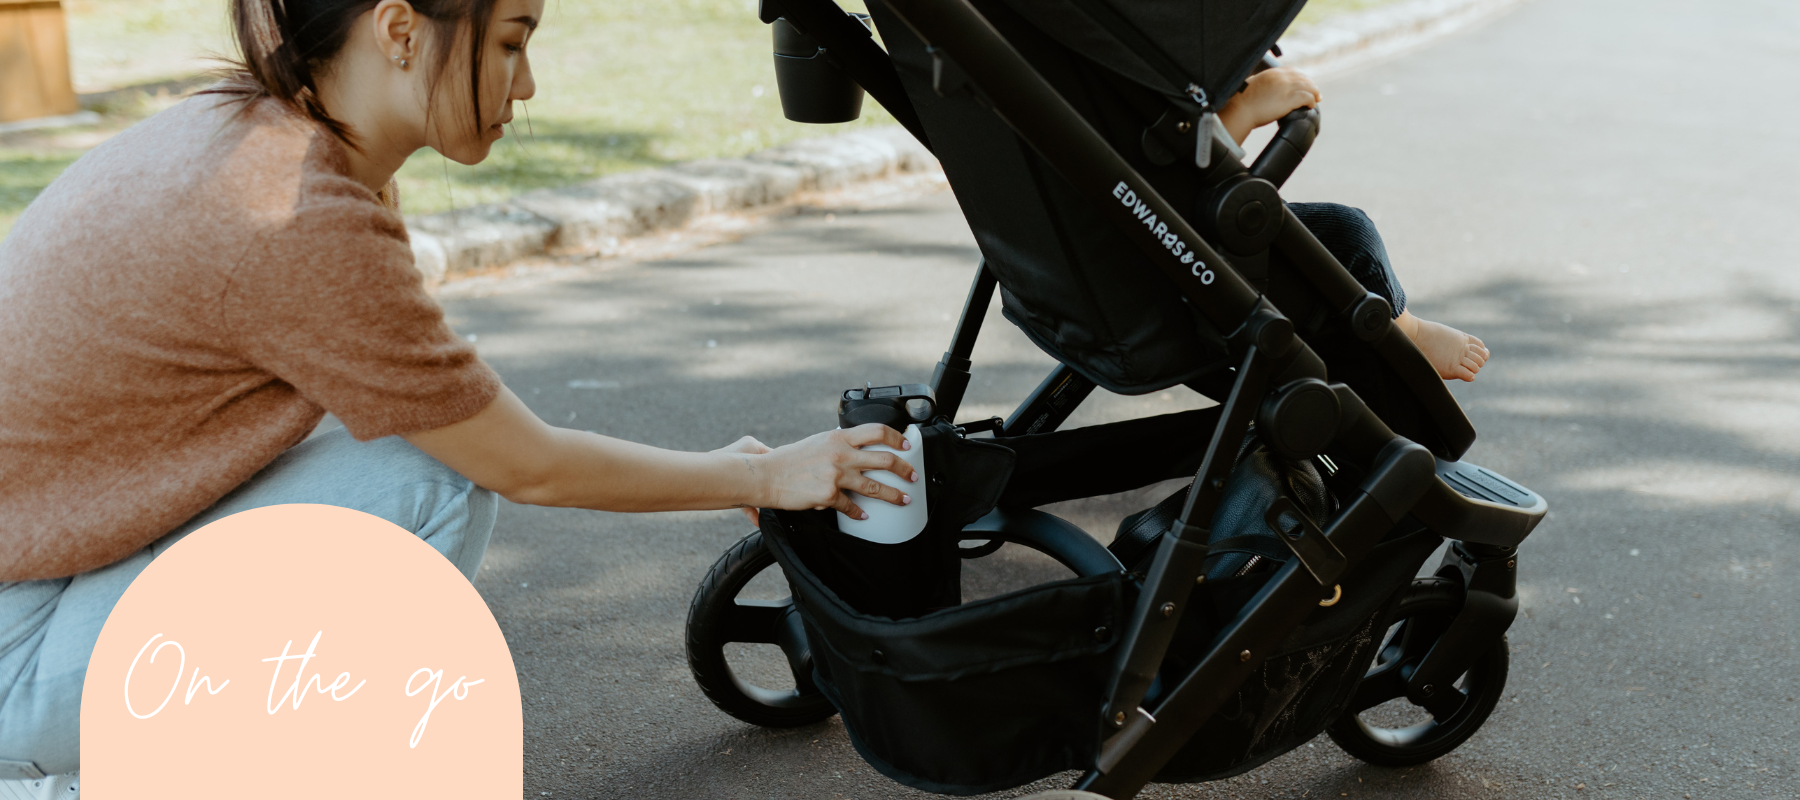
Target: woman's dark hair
{"points": [[285, 41]]}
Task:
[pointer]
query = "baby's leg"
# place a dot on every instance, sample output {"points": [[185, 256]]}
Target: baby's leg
{"points": [[1351, 237]]}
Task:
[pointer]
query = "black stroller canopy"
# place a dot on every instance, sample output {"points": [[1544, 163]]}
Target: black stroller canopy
{"points": [[1166, 45]]}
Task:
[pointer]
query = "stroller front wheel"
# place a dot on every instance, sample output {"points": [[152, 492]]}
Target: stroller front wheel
{"points": [[718, 617], [1381, 727]]}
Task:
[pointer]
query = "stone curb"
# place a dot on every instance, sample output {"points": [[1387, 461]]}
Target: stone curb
{"points": [[594, 216]]}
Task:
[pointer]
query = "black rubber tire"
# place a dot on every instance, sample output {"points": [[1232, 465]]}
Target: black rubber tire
{"points": [[1430, 602], [706, 643]]}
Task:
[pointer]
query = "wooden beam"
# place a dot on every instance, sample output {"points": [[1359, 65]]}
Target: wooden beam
{"points": [[34, 61]]}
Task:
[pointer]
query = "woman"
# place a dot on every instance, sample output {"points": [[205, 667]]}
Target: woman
{"points": [[185, 303]]}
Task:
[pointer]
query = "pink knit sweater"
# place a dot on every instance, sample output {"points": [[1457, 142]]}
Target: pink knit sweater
{"points": [[185, 303]]}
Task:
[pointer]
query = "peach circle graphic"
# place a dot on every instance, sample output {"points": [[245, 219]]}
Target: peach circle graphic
{"points": [[301, 651]]}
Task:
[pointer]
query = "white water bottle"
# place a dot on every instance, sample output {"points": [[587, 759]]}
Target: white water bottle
{"points": [[889, 523]]}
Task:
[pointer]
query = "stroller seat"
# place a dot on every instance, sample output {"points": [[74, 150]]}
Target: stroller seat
{"points": [[1274, 596]]}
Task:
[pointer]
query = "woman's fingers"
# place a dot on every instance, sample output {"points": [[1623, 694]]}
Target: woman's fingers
{"points": [[855, 478], [843, 504], [829, 470], [876, 433], [865, 460], [869, 487]]}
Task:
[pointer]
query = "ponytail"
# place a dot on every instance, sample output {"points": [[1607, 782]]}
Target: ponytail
{"points": [[283, 44]]}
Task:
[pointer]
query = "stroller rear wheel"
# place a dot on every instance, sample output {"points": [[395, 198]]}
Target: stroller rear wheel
{"points": [[718, 618], [1380, 726]]}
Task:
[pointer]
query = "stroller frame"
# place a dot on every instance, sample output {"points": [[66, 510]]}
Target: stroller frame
{"points": [[1276, 372]]}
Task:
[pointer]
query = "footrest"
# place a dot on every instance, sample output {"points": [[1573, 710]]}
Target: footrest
{"points": [[1476, 504]]}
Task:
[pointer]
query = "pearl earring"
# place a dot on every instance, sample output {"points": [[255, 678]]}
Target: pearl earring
{"points": [[401, 60]]}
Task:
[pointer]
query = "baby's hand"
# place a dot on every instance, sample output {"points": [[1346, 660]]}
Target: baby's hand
{"points": [[1270, 96]]}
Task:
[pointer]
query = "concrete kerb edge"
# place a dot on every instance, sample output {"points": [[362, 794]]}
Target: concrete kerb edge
{"points": [[594, 217]]}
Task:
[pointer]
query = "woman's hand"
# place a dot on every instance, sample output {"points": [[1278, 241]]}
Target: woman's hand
{"points": [[825, 469], [1271, 94]]}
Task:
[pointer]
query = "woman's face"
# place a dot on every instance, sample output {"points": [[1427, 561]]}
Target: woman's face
{"points": [[505, 77]]}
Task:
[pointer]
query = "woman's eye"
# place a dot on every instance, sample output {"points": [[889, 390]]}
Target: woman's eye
{"points": [[515, 48]]}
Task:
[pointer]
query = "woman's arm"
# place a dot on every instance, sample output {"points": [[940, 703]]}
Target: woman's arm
{"points": [[508, 449], [1270, 95]]}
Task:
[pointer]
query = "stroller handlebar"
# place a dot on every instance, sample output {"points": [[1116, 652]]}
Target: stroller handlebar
{"points": [[1283, 154]]}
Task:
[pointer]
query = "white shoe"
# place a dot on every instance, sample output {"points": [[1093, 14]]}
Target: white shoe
{"points": [[49, 787]]}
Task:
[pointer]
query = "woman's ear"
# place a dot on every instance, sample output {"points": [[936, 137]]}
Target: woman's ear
{"points": [[397, 31]]}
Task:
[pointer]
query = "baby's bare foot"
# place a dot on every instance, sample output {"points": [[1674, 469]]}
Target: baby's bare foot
{"points": [[1452, 353]]}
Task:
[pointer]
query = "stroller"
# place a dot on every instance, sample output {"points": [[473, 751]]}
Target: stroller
{"points": [[1272, 598]]}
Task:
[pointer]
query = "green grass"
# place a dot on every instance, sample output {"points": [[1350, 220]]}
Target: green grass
{"points": [[622, 85], [626, 85], [115, 43], [24, 173]]}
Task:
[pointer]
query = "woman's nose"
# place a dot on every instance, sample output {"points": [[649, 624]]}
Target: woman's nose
{"points": [[524, 86]]}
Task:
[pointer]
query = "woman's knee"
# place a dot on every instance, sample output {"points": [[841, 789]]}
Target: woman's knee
{"points": [[434, 502], [388, 478], [462, 525]]}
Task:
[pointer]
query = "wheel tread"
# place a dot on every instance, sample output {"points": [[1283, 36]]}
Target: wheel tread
{"points": [[1447, 597], [706, 657]]}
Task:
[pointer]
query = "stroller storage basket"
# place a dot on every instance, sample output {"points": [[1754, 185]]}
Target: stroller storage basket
{"points": [[969, 699]]}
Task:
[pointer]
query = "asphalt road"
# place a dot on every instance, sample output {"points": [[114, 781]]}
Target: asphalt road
{"points": [[1604, 190]]}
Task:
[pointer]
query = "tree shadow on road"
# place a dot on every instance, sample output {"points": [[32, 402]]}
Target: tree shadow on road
{"points": [[1631, 420]]}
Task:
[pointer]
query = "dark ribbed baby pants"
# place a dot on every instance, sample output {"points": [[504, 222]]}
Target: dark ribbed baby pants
{"points": [[1351, 236]]}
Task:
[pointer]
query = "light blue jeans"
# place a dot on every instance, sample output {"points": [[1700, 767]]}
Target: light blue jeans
{"points": [[48, 628]]}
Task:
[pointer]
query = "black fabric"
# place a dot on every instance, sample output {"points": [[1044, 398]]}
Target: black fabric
{"points": [[997, 693], [884, 580], [1351, 237], [1255, 483], [1348, 359], [1163, 45], [1132, 542], [1294, 694], [967, 476], [965, 700], [1266, 546], [924, 573], [1076, 286], [1106, 459], [1069, 279]]}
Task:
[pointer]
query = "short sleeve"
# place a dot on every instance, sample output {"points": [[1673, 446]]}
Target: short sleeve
{"points": [[332, 304]]}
